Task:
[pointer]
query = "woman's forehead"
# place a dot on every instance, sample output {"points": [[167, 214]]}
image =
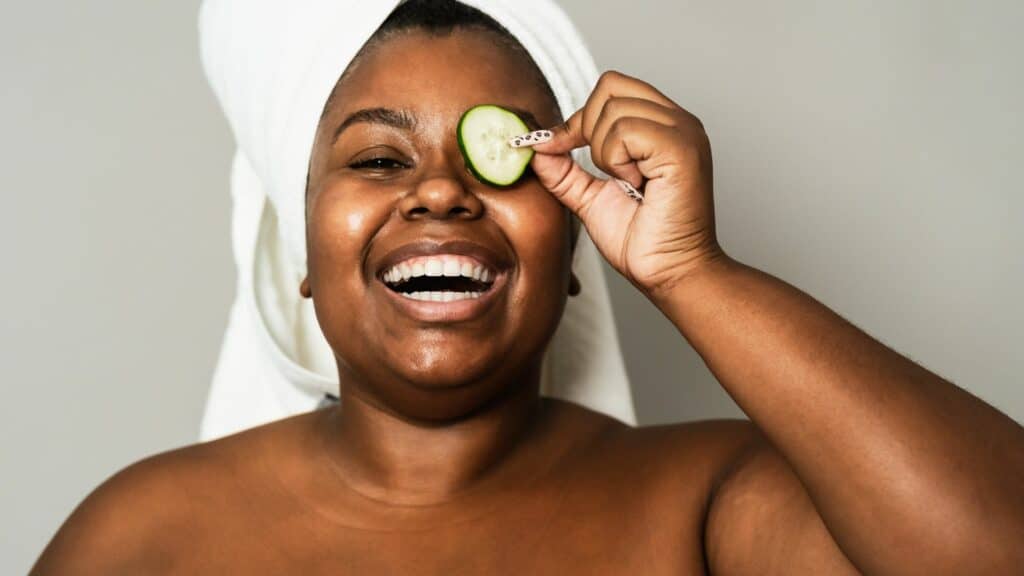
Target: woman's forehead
{"points": [[442, 74]]}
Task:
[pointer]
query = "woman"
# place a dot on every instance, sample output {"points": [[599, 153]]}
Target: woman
{"points": [[441, 456]]}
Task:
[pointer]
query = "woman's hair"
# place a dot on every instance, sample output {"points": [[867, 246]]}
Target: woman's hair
{"points": [[441, 18]]}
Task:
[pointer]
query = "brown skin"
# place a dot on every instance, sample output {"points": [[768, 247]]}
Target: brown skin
{"points": [[442, 458]]}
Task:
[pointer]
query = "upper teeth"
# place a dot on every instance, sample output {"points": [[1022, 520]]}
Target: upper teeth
{"points": [[440, 265]]}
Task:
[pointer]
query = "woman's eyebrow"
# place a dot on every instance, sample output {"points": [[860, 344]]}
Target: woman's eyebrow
{"points": [[400, 119]]}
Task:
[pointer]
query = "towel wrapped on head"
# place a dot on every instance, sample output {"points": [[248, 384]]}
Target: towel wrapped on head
{"points": [[272, 65]]}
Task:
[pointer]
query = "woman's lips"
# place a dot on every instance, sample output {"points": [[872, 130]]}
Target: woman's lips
{"points": [[448, 312]]}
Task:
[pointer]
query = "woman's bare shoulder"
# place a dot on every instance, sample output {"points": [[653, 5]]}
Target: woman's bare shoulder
{"points": [[705, 442], [703, 453], [132, 521], [696, 455]]}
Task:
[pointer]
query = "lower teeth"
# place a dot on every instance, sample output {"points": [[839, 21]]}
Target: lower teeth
{"points": [[441, 296]]}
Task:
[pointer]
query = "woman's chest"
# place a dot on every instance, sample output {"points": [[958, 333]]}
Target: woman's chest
{"points": [[590, 528]]}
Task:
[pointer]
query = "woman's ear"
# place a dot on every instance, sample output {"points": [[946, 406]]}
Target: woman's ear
{"points": [[574, 284], [304, 288]]}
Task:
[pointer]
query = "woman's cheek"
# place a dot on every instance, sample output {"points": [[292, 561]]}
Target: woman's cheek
{"points": [[340, 227], [537, 228]]}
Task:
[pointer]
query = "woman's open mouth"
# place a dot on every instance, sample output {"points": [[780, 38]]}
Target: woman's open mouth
{"points": [[439, 278], [443, 287]]}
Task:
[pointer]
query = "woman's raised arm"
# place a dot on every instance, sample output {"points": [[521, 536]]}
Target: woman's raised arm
{"points": [[908, 473]]}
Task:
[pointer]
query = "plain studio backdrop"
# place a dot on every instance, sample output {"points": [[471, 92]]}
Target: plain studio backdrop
{"points": [[869, 153]]}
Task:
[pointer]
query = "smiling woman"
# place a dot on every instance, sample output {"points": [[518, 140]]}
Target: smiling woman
{"points": [[442, 456], [275, 361], [393, 190]]}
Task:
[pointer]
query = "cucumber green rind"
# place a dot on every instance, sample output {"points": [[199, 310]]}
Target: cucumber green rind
{"points": [[468, 154]]}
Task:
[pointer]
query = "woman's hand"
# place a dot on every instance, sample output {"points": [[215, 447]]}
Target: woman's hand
{"points": [[639, 135]]}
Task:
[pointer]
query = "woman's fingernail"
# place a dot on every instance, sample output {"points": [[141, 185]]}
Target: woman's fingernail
{"points": [[630, 190], [530, 138]]}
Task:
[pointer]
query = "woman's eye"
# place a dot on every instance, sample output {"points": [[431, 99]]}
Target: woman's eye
{"points": [[378, 164]]}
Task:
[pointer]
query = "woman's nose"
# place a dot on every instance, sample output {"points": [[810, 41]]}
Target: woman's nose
{"points": [[442, 198]]}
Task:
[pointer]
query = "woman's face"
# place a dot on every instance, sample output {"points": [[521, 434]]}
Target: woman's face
{"points": [[392, 187]]}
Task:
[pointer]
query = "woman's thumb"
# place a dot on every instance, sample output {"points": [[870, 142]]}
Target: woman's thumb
{"points": [[566, 179], [557, 171]]}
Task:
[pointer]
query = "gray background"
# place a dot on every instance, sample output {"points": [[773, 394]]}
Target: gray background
{"points": [[869, 153]]}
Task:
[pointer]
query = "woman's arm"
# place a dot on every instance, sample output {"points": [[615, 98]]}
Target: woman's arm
{"points": [[909, 473]]}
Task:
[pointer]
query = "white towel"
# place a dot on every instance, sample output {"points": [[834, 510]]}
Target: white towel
{"points": [[272, 64]]}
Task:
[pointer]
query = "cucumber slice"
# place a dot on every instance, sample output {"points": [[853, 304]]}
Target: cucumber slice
{"points": [[483, 133]]}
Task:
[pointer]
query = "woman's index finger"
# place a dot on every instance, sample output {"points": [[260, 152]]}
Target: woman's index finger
{"points": [[565, 137]]}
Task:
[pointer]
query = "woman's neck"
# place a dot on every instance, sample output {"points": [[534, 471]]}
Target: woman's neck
{"points": [[400, 461]]}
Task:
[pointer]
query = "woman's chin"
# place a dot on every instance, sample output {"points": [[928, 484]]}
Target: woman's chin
{"points": [[444, 388], [441, 399], [447, 375], [442, 358]]}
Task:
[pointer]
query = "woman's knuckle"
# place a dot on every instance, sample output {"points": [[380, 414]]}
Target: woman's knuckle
{"points": [[613, 107], [623, 125], [688, 118], [610, 76]]}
